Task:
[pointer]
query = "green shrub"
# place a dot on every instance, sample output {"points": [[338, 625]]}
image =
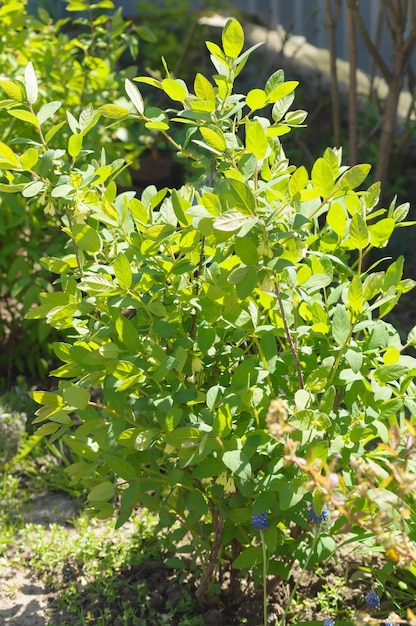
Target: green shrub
{"points": [[227, 351]]}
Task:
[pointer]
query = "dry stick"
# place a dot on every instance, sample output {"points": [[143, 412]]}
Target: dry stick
{"points": [[289, 338], [331, 22], [352, 88]]}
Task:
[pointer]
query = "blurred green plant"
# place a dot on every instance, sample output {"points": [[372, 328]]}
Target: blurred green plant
{"points": [[227, 352], [76, 61]]}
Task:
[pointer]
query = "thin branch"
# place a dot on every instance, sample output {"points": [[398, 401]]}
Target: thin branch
{"points": [[218, 524], [377, 41], [353, 5], [289, 338]]}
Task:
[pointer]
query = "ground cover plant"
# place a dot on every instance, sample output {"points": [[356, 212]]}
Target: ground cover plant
{"points": [[228, 365]]}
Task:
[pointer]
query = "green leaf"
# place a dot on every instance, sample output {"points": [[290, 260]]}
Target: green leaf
{"points": [[274, 80], [336, 219], [47, 429], [223, 420], [47, 398], [203, 88], [182, 437], [388, 373], [48, 110], [340, 325], [282, 90], [359, 235], [122, 271], [248, 558], [238, 464], [246, 286], [298, 182], [353, 177], [214, 138], [134, 95], [63, 191], [322, 178], [146, 33], [355, 295], [230, 221], [281, 106], [102, 492], [232, 38], [86, 118], [289, 498], [11, 188], [256, 99], [120, 369], [74, 145], [29, 158], [33, 189], [175, 88], [86, 237], [246, 250], [127, 333], [13, 89], [76, 396], [256, 140], [240, 196], [120, 466], [31, 83], [113, 111], [393, 273], [268, 346], [381, 231], [238, 274], [25, 116], [8, 156]]}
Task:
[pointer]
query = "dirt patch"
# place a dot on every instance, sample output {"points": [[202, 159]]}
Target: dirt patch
{"points": [[23, 600]]}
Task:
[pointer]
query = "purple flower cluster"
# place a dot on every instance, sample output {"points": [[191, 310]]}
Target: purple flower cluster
{"points": [[372, 599], [260, 521]]}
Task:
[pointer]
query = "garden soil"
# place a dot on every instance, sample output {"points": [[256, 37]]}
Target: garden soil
{"points": [[27, 601]]}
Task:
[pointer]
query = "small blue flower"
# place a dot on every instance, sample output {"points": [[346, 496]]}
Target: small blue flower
{"points": [[329, 622], [317, 519], [372, 599], [260, 522], [388, 623]]}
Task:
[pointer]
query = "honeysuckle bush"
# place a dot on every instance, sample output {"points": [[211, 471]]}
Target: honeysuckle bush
{"points": [[228, 352], [76, 62]]}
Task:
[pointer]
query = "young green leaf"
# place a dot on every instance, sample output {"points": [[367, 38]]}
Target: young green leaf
{"points": [[134, 95], [341, 325], [122, 271], [31, 83], [232, 38], [256, 140]]}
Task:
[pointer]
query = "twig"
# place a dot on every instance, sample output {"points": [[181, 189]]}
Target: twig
{"points": [[289, 338]]}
